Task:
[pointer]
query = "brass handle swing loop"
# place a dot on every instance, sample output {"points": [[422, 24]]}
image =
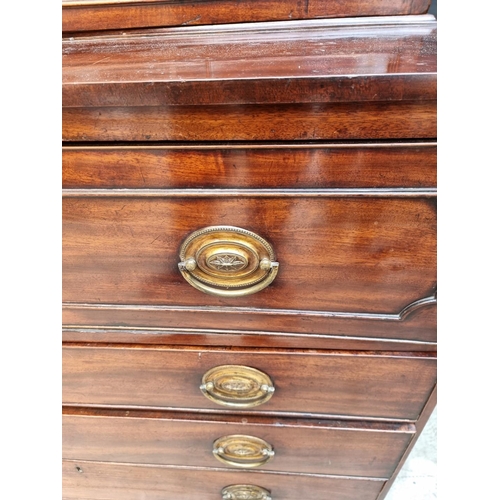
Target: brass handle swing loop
{"points": [[237, 386], [227, 261], [242, 451]]}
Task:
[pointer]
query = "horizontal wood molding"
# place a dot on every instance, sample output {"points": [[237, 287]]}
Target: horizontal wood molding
{"points": [[90, 15], [376, 88], [413, 329], [401, 316], [340, 424], [241, 338], [257, 146], [258, 193]]}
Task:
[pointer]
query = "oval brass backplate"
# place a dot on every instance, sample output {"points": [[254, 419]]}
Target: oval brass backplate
{"points": [[237, 386], [245, 492], [242, 451], [227, 261]]}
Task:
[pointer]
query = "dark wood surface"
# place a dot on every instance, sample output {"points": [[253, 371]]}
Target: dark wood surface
{"points": [[373, 255], [327, 61], [308, 446], [78, 15], [98, 480], [257, 166], [339, 383]]}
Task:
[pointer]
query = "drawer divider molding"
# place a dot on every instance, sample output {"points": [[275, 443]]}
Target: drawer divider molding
{"points": [[217, 193], [404, 313]]}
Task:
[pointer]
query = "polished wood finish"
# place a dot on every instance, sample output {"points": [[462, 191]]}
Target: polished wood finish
{"points": [[328, 83], [301, 446], [78, 15], [254, 166], [339, 383], [372, 255], [97, 480], [268, 63], [384, 120]]}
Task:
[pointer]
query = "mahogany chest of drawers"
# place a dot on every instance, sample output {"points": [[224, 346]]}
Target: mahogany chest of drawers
{"points": [[249, 257]]}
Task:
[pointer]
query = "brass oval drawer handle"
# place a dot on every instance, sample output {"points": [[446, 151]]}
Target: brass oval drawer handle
{"points": [[245, 492], [242, 451], [237, 386], [227, 261]]}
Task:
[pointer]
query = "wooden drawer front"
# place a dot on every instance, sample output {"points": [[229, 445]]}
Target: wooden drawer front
{"points": [[325, 121], [112, 14], [318, 447], [373, 255], [341, 383], [96, 481], [251, 166]]}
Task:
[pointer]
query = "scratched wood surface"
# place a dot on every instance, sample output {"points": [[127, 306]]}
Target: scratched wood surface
{"points": [[319, 80], [268, 63], [85, 15]]}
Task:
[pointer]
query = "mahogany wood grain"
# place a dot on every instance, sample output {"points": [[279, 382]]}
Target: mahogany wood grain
{"points": [[79, 15], [254, 89], [263, 166], [374, 255], [84, 480], [249, 328], [383, 120], [335, 384], [302, 446]]}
